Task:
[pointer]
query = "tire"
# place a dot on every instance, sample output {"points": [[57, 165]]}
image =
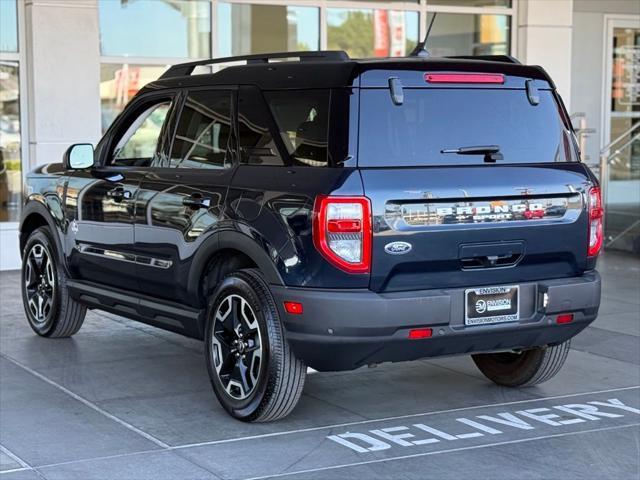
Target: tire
{"points": [[525, 369], [50, 310], [257, 378]]}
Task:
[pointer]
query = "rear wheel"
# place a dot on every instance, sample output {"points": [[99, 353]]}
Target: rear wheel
{"points": [[524, 369], [254, 374], [50, 310]]}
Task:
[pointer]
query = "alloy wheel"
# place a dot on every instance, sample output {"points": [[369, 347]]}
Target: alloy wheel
{"points": [[40, 283], [237, 347]]}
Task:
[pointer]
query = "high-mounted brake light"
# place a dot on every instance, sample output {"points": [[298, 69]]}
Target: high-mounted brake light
{"points": [[463, 78], [342, 231], [596, 214]]}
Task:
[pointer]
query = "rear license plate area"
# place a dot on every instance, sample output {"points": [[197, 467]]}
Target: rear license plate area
{"points": [[489, 305]]}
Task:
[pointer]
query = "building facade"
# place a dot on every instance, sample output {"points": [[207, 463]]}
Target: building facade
{"points": [[68, 67]]}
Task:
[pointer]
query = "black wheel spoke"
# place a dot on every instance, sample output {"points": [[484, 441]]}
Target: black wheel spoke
{"points": [[37, 257], [242, 371], [32, 272], [235, 313], [223, 337], [228, 364]]}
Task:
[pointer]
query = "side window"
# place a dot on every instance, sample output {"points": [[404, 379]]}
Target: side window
{"points": [[140, 144], [204, 131], [302, 117], [257, 146]]}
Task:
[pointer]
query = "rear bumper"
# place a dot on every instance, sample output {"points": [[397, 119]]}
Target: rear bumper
{"points": [[345, 329]]}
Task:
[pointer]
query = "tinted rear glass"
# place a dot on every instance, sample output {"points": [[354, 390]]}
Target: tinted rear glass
{"points": [[436, 119], [302, 118]]}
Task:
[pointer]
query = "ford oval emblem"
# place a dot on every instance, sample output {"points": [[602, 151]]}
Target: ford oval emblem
{"points": [[397, 248]]}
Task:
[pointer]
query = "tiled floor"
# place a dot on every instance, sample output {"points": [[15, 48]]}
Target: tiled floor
{"points": [[121, 400]]}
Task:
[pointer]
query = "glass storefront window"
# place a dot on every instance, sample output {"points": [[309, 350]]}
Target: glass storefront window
{"points": [[119, 83], [469, 34], [372, 33], [8, 26], [472, 3], [155, 28], [244, 29], [10, 141], [625, 101]]}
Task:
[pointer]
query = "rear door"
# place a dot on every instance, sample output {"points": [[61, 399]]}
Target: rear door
{"points": [[181, 198], [445, 218]]}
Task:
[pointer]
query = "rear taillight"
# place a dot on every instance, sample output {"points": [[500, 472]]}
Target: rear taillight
{"points": [[596, 214], [342, 231], [464, 78]]}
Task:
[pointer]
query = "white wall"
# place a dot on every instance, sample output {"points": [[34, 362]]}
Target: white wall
{"points": [[544, 38], [63, 76]]}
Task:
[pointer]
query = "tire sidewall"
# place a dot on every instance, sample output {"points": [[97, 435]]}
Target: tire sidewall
{"points": [[249, 407], [41, 236], [519, 372]]}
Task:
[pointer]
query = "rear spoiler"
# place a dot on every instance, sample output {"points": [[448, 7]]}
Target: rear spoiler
{"points": [[489, 58]]}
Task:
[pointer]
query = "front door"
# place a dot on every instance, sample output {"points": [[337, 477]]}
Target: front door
{"points": [[622, 132], [101, 201], [181, 199]]}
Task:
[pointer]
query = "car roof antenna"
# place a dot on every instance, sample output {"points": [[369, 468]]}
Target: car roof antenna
{"points": [[421, 47]]}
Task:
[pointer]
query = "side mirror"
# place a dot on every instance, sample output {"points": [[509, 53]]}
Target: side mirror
{"points": [[78, 156]]}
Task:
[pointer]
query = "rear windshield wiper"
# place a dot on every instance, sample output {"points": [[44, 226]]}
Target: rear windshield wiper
{"points": [[491, 152]]}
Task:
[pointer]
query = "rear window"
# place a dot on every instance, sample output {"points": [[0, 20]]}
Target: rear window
{"points": [[436, 119]]}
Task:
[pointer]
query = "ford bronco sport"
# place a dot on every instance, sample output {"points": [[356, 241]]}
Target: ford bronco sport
{"points": [[307, 209]]}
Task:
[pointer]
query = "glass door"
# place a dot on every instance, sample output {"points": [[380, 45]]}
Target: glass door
{"points": [[622, 133]]}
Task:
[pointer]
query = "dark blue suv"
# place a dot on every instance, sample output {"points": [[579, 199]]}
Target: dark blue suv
{"points": [[307, 209]]}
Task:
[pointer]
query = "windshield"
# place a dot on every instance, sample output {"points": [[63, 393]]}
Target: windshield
{"points": [[455, 119]]}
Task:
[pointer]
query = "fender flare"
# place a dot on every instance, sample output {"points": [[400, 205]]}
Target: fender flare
{"points": [[38, 207], [237, 241]]}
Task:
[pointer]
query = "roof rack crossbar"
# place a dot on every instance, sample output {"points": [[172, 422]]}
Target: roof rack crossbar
{"points": [[489, 58], [185, 69]]}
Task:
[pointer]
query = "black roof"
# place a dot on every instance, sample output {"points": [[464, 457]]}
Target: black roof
{"points": [[331, 69]]}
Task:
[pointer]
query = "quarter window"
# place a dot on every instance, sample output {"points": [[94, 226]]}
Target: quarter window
{"points": [[302, 118], [204, 131], [140, 145], [257, 146]]}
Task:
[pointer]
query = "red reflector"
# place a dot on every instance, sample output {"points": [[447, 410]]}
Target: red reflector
{"points": [[565, 318], [294, 308], [342, 226], [464, 78], [420, 333]]}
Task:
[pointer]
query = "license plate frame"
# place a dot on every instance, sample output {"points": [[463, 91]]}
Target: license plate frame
{"points": [[488, 305]]}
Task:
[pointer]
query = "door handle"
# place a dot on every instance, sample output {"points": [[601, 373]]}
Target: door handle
{"points": [[196, 201], [118, 194]]}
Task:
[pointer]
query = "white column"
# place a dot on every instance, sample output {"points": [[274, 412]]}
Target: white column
{"points": [[63, 76], [544, 38]]}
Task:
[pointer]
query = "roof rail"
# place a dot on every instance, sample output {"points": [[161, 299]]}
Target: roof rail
{"points": [[489, 58], [185, 69]]}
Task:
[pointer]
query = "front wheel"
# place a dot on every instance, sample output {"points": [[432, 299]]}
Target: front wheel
{"points": [[524, 369], [48, 305], [254, 374]]}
